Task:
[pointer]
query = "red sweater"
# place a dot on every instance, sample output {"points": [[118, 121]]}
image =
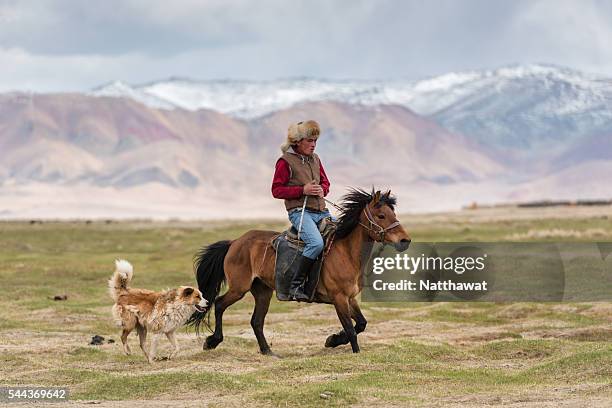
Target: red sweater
{"points": [[280, 189]]}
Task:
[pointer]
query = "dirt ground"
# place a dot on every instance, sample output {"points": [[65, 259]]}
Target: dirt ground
{"points": [[299, 334]]}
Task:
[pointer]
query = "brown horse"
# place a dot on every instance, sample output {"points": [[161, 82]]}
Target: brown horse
{"points": [[247, 264]]}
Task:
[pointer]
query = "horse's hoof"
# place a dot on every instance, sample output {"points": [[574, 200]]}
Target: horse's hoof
{"points": [[211, 343], [330, 342]]}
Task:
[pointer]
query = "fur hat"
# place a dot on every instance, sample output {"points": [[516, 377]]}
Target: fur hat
{"points": [[299, 131]]}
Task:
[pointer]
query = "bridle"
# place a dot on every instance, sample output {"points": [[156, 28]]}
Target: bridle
{"points": [[380, 231]]}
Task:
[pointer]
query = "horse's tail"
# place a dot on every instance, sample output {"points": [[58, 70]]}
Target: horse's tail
{"points": [[210, 275]]}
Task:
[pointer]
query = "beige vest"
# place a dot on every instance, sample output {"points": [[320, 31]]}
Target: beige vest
{"points": [[304, 169]]}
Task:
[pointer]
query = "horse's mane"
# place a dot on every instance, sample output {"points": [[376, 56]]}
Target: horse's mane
{"points": [[352, 204]]}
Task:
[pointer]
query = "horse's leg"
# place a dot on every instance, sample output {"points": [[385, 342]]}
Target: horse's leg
{"points": [[343, 309], [360, 320], [341, 338], [262, 295], [222, 303]]}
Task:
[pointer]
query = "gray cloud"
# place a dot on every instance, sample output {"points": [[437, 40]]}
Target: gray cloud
{"points": [[75, 45], [114, 27]]}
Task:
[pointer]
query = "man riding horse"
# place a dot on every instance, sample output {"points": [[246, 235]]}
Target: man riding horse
{"points": [[247, 263], [300, 180]]}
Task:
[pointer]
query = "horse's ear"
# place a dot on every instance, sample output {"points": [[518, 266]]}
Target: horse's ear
{"points": [[387, 194], [376, 198]]}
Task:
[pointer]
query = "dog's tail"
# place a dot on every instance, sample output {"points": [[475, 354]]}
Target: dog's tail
{"points": [[121, 279], [210, 275]]}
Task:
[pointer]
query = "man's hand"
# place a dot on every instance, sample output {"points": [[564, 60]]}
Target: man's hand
{"points": [[312, 189]]}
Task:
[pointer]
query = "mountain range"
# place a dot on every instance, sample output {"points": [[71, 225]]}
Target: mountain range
{"points": [[207, 148], [521, 106]]}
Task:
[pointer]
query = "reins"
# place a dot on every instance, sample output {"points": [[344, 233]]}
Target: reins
{"points": [[380, 232]]}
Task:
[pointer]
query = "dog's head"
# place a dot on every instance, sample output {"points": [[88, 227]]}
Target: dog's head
{"points": [[192, 296]]}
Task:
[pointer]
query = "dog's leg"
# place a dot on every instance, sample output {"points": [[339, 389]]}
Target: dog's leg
{"points": [[175, 345], [126, 346], [153, 349], [142, 335]]}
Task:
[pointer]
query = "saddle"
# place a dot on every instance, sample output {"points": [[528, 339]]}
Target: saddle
{"points": [[327, 228], [288, 247]]}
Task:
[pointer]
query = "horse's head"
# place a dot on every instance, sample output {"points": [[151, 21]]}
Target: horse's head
{"points": [[381, 223]]}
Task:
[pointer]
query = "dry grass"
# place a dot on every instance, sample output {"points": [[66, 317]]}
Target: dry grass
{"points": [[460, 354]]}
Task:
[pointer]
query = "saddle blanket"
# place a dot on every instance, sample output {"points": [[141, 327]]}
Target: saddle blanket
{"points": [[286, 265]]}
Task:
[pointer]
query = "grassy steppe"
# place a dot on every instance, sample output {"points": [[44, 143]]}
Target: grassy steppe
{"points": [[421, 354]]}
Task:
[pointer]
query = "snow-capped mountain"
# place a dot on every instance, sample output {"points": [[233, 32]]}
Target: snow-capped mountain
{"points": [[252, 99], [539, 107], [522, 106]]}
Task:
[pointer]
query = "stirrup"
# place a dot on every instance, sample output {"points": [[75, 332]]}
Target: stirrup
{"points": [[299, 295]]}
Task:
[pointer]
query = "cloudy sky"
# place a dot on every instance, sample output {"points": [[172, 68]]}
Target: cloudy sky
{"points": [[74, 45]]}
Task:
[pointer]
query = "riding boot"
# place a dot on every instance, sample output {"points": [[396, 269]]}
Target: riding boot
{"points": [[297, 283]]}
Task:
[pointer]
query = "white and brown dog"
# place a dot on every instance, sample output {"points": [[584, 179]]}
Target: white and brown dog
{"points": [[146, 310]]}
